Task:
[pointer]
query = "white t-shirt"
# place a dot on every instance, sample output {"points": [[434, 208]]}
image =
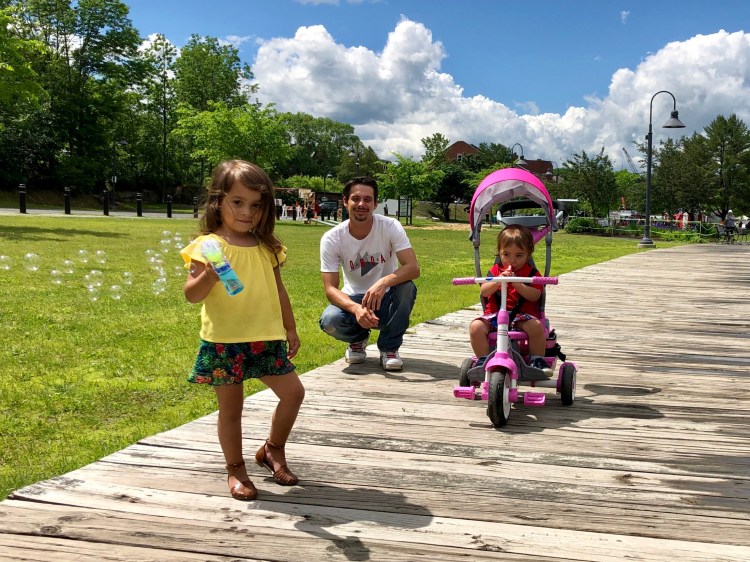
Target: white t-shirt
{"points": [[363, 261]]}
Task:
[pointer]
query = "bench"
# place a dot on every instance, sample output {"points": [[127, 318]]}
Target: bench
{"points": [[725, 235]]}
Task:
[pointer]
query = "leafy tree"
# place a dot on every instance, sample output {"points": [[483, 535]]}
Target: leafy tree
{"points": [[491, 155], [159, 101], [410, 179], [318, 144], [680, 179], [452, 188], [592, 180], [84, 69], [248, 132], [360, 161], [19, 83], [209, 72], [728, 142], [435, 148], [630, 186]]}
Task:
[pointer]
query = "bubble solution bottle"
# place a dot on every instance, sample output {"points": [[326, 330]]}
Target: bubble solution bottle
{"points": [[211, 250]]}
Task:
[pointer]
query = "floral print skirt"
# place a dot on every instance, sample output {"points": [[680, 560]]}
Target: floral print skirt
{"points": [[231, 363]]}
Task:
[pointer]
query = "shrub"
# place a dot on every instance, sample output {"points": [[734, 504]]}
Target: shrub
{"points": [[581, 224]]}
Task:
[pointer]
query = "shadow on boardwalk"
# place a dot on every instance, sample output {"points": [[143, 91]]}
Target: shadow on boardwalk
{"points": [[652, 462]]}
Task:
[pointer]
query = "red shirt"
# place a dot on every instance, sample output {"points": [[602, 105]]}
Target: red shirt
{"points": [[528, 307]]}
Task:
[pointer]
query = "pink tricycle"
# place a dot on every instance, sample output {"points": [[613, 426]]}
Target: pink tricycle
{"points": [[521, 197]]}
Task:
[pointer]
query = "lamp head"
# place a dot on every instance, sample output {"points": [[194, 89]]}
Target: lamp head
{"points": [[674, 122]]}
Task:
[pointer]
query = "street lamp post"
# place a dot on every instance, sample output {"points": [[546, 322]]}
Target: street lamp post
{"points": [[673, 123], [550, 174], [355, 154], [520, 161], [324, 180]]}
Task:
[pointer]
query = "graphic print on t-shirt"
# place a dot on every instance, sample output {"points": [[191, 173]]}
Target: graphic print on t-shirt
{"points": [[365, 263]]}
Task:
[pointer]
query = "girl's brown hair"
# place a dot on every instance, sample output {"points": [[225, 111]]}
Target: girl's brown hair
{"points": [[253, 177], [516, 235]]}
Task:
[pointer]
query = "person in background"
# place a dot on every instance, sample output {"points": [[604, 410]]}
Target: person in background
{"points": [[379, 267]]}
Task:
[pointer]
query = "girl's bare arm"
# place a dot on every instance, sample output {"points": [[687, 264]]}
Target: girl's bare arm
{"points": [[287, 316], [200, 281]]}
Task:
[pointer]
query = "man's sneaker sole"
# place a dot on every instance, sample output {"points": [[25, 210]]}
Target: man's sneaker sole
{"points": [[397, 367], [355, 360]]}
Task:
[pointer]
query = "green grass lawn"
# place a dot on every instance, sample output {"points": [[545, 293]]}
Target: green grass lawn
{"points": [[82, 378]]}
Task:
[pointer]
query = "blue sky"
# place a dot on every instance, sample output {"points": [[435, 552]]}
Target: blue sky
{"points": [[555, 76]]}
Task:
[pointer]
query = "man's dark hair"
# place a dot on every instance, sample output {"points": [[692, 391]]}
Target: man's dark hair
{"points": [[361, 180]]}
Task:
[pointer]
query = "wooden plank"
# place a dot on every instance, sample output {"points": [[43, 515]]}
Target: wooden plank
{"points": [[104, 531], [368, 525], [608, 508], [35, 548]]}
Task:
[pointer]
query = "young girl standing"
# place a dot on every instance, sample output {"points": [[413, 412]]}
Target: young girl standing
{"points": [[515, 244], [251, 335]]}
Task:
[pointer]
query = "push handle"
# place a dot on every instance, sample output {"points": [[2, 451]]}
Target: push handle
{"points": [[535, 280]]}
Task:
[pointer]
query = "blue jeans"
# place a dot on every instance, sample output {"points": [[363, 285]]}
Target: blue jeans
{"points": [[393, 318]]}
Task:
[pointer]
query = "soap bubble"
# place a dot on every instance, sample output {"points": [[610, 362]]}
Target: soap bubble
{"points": [[165, 244], [68, 267], [127, 278], [93, 294], [166, 234], [56, 276], [150, 252], [93, 278], [83, 256], [100, 256], [6, 262], [115, 291], [159, 286], [179, 270], [31, 261]]}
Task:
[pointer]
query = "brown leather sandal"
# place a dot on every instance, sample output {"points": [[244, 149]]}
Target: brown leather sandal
{"points": [[283, 476], [243, 490]]}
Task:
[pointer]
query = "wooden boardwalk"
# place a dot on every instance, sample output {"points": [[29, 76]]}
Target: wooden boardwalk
{"points": [[652, 462]]}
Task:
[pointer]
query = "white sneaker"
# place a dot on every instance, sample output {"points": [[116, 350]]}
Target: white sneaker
{"points": [[355, 352], [391, 360]]}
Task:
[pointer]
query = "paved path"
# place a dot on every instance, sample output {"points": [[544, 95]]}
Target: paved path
{"points": [[652, 462]]}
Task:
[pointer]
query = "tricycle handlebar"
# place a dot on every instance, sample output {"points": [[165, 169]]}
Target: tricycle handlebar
{"points": [[533, 280]]}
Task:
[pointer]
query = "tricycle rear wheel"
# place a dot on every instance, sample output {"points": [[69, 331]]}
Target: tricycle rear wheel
{"points": [[568, 385], [463, 379]]}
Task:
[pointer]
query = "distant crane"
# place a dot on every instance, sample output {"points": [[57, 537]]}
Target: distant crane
{"points": [[630, 161]]}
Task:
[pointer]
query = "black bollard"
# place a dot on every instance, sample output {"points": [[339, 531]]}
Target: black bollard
{"points": [[139, 204], [169, 206], [195, 207], [22, 197], [66, 190], [105, 202]]}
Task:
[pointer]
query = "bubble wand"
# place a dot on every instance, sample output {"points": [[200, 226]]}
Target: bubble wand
{"points": [[211, 250]]}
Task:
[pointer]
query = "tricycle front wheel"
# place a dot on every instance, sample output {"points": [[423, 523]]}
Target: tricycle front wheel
{"points": [[498, 403]]}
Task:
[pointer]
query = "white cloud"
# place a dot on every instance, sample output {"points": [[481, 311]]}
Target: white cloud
{"points": [[235, 40], [624, 16], [396, 97]]}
